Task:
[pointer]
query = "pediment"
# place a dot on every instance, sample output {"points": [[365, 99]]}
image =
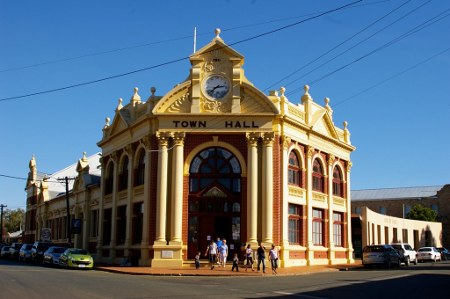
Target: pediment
{"points": [[120, 122], [216, 44], [323, 124], [214, 192], [254, 101]]}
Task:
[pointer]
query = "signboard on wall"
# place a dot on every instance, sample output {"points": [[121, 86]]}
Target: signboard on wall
{"points": [[76, 226]]}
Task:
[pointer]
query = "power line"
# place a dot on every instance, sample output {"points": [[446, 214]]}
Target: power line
{"points": [[334, 48], [175, 60], [357, 44], [164, 41], [416, 29], [391, 77]]}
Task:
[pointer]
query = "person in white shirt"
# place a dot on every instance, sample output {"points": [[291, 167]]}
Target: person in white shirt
{"points": [[212, 251], [273, 257]]}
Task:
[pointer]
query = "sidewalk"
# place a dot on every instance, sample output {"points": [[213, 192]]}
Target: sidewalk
{"points": [[204, 270]]}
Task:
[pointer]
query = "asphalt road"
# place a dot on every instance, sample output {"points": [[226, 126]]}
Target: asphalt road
{"points": [[18, 280]]}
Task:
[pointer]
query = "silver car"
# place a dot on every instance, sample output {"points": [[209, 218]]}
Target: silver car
{"points": [[380, 255]]}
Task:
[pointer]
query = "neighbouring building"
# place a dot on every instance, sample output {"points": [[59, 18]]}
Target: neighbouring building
{"points": [[397, 202], [213, 157]]}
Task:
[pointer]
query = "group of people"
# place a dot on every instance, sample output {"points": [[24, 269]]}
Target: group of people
{"points": [[217, 253]]}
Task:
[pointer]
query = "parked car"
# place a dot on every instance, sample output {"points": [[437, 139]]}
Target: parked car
{"points": [[37, 252], [25, 252], [4, 253], [445, 254], [407, 253], [76, 258], [51, 255], [380, 255], [428, 253], [14, 250]]}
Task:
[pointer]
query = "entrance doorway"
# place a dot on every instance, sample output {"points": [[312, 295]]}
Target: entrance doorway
{"points": [[214, 201]]}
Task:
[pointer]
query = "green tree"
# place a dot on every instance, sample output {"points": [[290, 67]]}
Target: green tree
{"points": [[13, 219], [419, 212]]}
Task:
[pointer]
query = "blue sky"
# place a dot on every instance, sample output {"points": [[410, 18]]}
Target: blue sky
{"points": [[391, 83]]}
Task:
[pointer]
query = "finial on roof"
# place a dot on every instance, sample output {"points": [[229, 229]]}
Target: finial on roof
{"points": [[119, 106], [346, 133], [84, 157], [282, 91], [217, 32], [136, 98], [153, 90], [107, 120], [345, 123], [327, 106], [306, 89]]}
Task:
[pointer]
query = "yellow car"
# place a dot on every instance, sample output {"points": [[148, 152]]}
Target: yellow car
{"points": [[76, 258]]}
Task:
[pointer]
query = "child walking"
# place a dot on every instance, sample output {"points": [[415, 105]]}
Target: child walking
{"points": [[197, 260], [235, 263]]}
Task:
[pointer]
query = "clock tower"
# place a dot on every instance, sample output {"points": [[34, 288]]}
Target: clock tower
{"points": [[216, 75]]}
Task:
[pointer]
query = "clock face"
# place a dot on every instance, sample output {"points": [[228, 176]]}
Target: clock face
{"points": [[216, 86]]}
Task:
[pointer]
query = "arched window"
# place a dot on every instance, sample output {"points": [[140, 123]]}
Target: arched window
{"points": [[123, 176], [140, 170], [215, 166], [337, 182], [294, 171], [109, 179], [317, 176]]}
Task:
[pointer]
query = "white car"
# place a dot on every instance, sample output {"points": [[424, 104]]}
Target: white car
{"points": [[407, 253], [428, 254]]}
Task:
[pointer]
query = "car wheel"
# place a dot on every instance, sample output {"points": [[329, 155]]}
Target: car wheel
{"points": [[434, 259], [388, 263], [407, 261], [398, 263], [415, 261]]}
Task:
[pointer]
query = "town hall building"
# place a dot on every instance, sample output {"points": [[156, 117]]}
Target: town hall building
{"points": [[213, 157]]}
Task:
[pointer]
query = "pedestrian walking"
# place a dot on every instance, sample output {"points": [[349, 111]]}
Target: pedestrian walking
{"points": [[249, 257], [261, 252], [211, 250], [273, 256], [223, 253], [197, 260], [219, 244], [235, 263]]}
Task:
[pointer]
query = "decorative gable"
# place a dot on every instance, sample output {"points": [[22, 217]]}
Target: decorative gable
{"points": [[323, 124]]}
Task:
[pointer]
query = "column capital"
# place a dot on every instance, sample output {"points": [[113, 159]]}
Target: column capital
{"points": [[178, 138], [146, 142], [114, 157], [310, 151], [252, 138], [163, 138], [286, 141], [331, 160], [268, 138], [129, 149], [349, 166]]}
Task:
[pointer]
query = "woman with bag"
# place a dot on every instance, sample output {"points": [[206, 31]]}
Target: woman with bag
{"points": [[249, 257]]}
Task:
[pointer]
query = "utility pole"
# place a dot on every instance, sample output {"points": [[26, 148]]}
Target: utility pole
{"points": [[1, 220]]}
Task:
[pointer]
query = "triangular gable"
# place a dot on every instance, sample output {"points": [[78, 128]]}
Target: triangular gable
{"points": [[119, 123], [214, 192], [323, 124], [216, 43]]}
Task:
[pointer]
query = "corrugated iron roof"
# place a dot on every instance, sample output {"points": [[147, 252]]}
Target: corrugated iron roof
{"points": [[395, 193]]}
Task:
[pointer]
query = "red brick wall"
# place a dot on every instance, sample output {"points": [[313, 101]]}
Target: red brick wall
{"points": [[297, 255]]}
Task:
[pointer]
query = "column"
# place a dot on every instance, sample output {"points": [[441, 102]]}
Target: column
{"points": [[130, 179], [309, 200], [348, 236], [112, 244], [285, 192], [177, 194], [161, 190], [144, 260], [100, 209], [329, 181], [252, 188], [267, 188]]}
